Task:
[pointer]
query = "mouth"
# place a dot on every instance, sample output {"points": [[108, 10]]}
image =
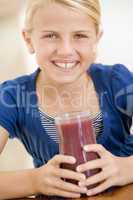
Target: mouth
{"points": [[66, 66]]}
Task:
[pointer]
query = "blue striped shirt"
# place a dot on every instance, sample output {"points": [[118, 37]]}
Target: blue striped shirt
{"points": [[49, 125]]}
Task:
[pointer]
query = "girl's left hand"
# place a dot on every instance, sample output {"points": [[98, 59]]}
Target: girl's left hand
{"points": [[115, 171]]}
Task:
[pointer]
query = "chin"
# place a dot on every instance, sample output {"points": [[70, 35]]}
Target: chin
{"points": [[65, 80]]}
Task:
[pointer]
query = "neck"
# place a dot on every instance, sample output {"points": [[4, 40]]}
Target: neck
{"points": [[65, 97], [48, 85]]}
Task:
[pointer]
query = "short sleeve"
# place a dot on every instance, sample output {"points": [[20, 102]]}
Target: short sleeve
{"points": [[123, 93], [8, 108], [122, 86]]}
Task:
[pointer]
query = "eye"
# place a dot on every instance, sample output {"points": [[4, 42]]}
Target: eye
{"points": [[81, 36], [50, 36]]}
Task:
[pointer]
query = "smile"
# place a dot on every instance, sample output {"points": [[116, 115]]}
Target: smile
{"points": [[66, 65]]}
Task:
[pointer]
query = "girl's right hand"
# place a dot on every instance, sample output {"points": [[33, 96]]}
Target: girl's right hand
{"points": [[48, 178]]}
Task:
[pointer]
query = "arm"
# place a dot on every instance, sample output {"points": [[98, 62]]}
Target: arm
{"points": [[45, 180], [14, 184]]}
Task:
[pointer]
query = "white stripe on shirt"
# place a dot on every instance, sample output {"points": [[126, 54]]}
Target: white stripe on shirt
{"points": [[49, 125]]}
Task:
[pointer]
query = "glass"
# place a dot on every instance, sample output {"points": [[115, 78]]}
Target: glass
{"points": [[75, 130]]}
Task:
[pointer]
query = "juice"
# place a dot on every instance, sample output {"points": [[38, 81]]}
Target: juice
{"points": [[76, 130]]}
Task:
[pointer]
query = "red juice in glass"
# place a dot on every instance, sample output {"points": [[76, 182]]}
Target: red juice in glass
{"points": [[76, 130]]}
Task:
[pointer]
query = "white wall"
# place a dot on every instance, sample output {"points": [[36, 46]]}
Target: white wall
{"points": [[116, 45], [13, 62]]}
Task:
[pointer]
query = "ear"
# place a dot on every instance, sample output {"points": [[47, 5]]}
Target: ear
{"points": [[98, 37], [95, 50], [99, 34], [27, 38]]}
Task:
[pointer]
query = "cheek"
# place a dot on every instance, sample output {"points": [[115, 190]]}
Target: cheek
{"points": [[86, 48], [87, 54], [43, 54], [43, 47], [41, 57]]}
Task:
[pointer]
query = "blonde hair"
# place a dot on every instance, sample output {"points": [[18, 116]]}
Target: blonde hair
{"points": [[90, 7]]}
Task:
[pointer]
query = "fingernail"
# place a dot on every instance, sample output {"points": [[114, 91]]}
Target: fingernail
{"points": [[83, 189], [89, 193], [85, 147], [73, 159], [78, 169], [84, 177], [81, 183]]}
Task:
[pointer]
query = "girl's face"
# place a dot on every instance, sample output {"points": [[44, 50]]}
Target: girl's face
{"points": [[64, 42]]}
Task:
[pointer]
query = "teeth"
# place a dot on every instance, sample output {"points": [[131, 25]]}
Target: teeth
{"points": [[66, 65]]}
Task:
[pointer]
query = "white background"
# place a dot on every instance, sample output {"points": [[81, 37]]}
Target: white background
{"points": [[116, 45]]}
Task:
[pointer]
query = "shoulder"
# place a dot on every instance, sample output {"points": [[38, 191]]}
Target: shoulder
{"points": [[24, 82], [116, 69], [117, 74], [18, 91], [117, 81]]}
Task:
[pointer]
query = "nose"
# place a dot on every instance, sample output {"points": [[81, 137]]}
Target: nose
{"points": [[65, 48]]}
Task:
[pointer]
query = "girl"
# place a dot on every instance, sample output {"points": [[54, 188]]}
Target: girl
{"points": [[64, 36]]}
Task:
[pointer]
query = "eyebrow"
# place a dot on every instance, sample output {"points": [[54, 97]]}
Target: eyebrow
{"points": [[78, 31]]}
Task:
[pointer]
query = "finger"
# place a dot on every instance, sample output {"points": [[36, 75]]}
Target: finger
{"points": [[60, 184], [102, 187], [94, 164], [58, 192], [69, 174], [98, 148], [100, 177], [58, 159]]}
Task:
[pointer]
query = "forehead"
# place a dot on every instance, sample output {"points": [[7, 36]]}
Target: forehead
{"points": [[54, 15]]}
